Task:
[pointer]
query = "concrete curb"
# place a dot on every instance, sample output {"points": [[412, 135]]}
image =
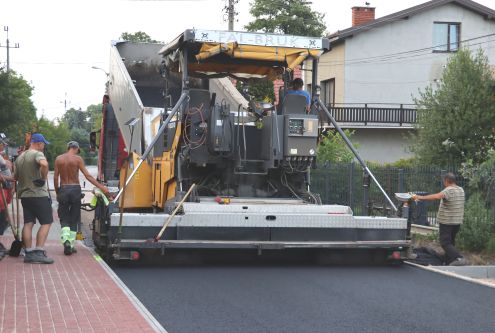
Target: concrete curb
{"points": [[452, 274], [475, 272], [155, 325]]}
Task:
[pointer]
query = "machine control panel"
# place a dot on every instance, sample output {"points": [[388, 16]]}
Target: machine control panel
{"points": [[302, 127], [301, 133], [296, 126]]}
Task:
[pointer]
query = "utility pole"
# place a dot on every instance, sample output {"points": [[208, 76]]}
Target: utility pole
{"points": [[230, 12], [8, 47]]}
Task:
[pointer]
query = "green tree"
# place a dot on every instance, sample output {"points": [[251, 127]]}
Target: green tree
{"points": [[332, 147], [478, 229], [58, 134], [456, 119], [95, 116], [293, 17], [75, 119], [137, 37], [261, 90], [17, 112]]}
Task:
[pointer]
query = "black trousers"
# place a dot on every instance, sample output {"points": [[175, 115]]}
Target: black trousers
{"points": [[69, 206], [447, 241], [3, 222]]}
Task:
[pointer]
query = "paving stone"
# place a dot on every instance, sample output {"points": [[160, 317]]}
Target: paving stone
{"points": [[75, 294]]}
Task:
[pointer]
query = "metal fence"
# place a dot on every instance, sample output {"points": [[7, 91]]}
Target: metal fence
{"points": [[342, 183]]}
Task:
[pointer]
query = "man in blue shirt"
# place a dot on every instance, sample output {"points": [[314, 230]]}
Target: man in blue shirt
{"points": [[297, 89]]}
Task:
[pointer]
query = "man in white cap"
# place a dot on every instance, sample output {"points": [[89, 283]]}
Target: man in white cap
{"points": [[31, 171], [68, 189]]}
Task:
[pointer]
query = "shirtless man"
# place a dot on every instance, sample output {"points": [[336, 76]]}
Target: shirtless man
{"points": [[67, 167]]}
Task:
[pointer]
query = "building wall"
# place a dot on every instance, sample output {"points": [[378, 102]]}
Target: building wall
{"points": [[398, 79], [383, 145], [330, 66]]}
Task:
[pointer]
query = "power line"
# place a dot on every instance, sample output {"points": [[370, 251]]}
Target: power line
{"points": [[58, 63], [405, 54]]}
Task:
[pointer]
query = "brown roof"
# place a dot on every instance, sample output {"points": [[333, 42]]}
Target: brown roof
{"points": [[488, 13]]}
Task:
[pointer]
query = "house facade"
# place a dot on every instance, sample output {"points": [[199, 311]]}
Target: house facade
{"points": [[380, 65]]}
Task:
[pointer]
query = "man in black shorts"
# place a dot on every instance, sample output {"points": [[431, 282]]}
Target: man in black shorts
{"points": [[31, 171]]}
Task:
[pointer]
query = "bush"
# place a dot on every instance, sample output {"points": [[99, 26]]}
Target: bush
{"points": [[478, 230], [332, 147], [490, 247]]}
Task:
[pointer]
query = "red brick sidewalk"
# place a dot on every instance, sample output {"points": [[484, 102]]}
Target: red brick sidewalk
{"points": [[75, 294]]}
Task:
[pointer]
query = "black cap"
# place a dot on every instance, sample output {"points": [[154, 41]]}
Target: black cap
{"points": [[73, 144]]}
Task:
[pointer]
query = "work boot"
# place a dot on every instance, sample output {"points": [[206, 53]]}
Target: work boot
{"points": [[37, 257], [67, 248], [459, 262], [3, 251]]}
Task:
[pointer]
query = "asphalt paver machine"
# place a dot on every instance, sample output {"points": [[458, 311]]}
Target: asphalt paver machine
{"points": [[211, 171]]}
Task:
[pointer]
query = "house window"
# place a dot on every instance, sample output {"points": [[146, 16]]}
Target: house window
{"points": [[328, 91], [446, 36]]}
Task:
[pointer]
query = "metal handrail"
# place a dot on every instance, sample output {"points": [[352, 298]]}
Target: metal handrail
{"points": [[366, 114]]}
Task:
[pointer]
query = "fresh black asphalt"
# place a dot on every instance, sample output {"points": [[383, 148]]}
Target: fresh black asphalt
{"points": [[301, 298]]}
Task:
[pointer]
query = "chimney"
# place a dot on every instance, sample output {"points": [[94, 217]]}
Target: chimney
{"points": [[361, 15]]}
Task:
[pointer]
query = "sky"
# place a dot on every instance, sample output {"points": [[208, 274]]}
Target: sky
{"points": [[60, 41]]}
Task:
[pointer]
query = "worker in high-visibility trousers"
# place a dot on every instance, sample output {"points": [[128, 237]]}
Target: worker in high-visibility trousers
{"points": [[68, 189]]}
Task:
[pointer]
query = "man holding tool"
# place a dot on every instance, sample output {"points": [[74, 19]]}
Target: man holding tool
{"points": [[450, 216], [31, 171], [68, 189]]}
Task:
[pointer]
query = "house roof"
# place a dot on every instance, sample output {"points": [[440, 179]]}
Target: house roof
{"points": [[341, 35]]}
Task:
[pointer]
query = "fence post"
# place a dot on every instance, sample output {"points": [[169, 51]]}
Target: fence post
{"points": [[351, 182], [401, 114], [327, 184], [366, 114], [366, 192], [401, 180], [442, 173]]}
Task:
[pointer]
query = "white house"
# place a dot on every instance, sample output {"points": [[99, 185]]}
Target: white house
{"points": [[384, 62]]}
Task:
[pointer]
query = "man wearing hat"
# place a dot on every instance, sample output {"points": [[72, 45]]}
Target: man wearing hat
{"points": [[68, 189], [31, 171]]}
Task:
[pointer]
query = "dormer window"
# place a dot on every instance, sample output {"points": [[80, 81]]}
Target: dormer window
{"points": [[446, 36]]}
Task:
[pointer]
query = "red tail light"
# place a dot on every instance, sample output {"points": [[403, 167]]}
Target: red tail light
{"points": [[135, 255], [395, 255]]}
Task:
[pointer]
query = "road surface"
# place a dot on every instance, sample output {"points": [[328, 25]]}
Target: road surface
{"points": [[301, 298]]}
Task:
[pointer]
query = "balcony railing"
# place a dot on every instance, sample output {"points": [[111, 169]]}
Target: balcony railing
{"points": [[398, 114]]}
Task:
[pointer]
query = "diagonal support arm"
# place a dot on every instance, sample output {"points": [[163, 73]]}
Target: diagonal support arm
{"points": [[354, 151], [162, 128]]}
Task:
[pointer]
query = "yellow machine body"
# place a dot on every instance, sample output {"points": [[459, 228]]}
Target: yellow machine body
{"points": [[138, 193], [164, 184]]}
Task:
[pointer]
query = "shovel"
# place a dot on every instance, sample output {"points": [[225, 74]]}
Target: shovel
{"points": [[167, 222], [15, 248]]}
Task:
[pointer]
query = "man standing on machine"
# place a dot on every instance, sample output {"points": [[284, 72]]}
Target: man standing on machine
{"points": [[67, 167]]}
